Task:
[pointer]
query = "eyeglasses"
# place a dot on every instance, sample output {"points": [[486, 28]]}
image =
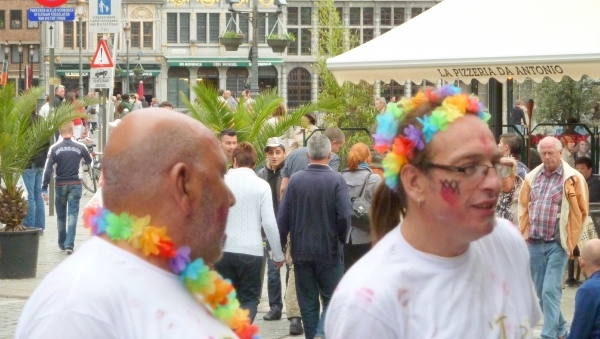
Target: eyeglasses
{"points": [[502, 170]]}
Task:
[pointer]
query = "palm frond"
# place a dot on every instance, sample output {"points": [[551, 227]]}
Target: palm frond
{"points": [[20, 140]]}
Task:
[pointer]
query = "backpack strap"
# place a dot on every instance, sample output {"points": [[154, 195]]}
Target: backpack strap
{"points": [[362, 190]]}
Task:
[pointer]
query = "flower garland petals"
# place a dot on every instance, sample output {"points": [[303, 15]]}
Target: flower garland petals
{"points": [[415, 135], [429, 128], [205, 285]]}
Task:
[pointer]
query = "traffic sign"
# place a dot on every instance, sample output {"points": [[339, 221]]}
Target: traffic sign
{"points": [[101, 78], [51, 14], [105, 16], [51, 3], [102, 56]]}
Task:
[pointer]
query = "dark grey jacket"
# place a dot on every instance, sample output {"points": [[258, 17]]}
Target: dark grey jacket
{"points": [[315, 211]]}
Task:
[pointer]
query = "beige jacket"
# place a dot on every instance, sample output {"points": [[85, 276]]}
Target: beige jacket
{"points": [[573, 210]]}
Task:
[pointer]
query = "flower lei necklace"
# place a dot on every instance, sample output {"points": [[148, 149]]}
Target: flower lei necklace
{"points": [[401, 148], [205, 284]]}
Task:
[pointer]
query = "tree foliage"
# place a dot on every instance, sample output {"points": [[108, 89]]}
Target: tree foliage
{"points": [[555, 102], [250, 123], [351, 104], [20, 139]]}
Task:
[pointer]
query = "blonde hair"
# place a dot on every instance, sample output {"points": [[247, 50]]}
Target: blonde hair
{"points": [[358, 153]]}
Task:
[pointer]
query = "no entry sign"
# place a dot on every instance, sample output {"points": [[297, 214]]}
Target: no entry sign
{"points": [[51, 3]]}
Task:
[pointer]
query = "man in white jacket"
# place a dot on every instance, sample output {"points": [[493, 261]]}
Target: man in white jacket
{"points": [[243, 252]]}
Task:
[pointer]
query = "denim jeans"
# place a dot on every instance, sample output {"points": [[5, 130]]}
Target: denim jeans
{"points": [[273, 282], [244, 272], [36, 215], [548, 263], [67, 209], [314, 280]]}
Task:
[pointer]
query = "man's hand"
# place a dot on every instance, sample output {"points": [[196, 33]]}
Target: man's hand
{"points": [[45, 196], [278, 264]]}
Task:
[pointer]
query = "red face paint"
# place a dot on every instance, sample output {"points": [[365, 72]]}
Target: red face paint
{"points": [[450, 191]]}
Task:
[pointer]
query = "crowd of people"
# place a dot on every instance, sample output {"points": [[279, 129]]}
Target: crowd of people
{"points": [[460, 228]]}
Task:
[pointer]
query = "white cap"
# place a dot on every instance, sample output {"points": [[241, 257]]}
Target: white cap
{"points": [[115, 123]]}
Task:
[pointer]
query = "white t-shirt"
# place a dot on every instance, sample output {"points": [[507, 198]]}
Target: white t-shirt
{"points": [[396, 292], [104, 292]]}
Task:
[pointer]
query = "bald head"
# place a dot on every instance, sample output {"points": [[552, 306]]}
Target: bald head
{"points": [[171, 168], [590, 252]]}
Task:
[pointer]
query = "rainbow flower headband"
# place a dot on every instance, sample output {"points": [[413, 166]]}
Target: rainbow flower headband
{"points": [[206, 285], [401, 148]]}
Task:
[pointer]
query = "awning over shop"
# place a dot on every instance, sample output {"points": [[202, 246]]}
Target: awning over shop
{"points": [[70, 72], [482, 39], [221, 62]]}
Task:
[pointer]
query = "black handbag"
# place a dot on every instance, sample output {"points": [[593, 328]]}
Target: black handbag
{"points": [[360, 210]]}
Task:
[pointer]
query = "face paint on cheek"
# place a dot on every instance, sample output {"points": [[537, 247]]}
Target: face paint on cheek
{"points": [[486, 146], [450, 191]]}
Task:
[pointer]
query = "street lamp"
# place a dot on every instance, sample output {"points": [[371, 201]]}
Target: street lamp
{"points": [[20, 50], [127, 31], [31, 52], [80, 5], [254, 50]]}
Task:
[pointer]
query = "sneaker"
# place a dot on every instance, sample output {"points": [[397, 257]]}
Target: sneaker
{"points": [[296, 326], [61, 248], [273, 314], [70, 251]]}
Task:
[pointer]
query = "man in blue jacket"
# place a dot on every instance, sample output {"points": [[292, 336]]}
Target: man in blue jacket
{"points": [[67, 155], [586, 320], [315, 211]]}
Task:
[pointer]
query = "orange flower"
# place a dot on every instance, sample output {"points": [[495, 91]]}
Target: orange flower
{"points": [[151, 239]]}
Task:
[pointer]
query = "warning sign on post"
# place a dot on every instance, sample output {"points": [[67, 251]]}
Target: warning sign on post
{"points": [[101, 78], [102, 57]]}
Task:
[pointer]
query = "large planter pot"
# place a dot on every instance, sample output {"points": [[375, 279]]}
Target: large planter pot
{"points": [[19, 253], [138, 72], [278, 45], [231, 44]]}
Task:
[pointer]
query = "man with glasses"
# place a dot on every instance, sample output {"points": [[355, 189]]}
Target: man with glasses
{"points": [[553, 204]]}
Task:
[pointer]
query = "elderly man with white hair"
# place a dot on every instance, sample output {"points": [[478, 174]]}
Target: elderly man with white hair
{"points": [[553, 204]]}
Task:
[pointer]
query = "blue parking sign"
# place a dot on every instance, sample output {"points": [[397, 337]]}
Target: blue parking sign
{"points": [[104, 7]]}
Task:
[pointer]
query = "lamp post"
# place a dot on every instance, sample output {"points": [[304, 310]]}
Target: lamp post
{"points": [[80, 4], [20, 50], [596, 122], [254, 20], [31, 52], [127, 31]]}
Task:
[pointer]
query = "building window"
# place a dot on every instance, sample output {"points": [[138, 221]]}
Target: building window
{"points": [[142, 34], [355, 16], [265, 25], [368, 16], [207, 27], [398, 16], [386, 16], [178, 27], [299, 84], [300, 17], [2, 18], [15, 56], [340, 11], [243, 24], [415, 12], [16, 19], [178, 81], [367, 34], [237, 78], [71, 34], [110, 39]]}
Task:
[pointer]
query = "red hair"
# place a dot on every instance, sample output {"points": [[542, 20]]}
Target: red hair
{"points": [[358, 153]]}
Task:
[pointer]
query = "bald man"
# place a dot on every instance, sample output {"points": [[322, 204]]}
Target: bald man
{"points": [[110, 289], [586, 320]]}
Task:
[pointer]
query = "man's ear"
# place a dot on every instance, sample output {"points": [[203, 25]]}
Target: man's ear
{"points": [[182, 187], [234, 164]]}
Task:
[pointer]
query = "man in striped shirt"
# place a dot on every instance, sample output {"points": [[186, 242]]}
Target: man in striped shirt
{"points": [[553, 204]]}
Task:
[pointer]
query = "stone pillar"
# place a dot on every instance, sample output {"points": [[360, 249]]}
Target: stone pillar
{"points": [[193, 78], [282, 72], [222, 77], [408, 88]]}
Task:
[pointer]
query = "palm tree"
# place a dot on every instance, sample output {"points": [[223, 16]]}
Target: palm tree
{"points": [[250, 124], [19, 142]]}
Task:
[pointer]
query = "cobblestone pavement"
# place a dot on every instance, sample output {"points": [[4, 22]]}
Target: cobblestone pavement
{"points": [[14, 293]]}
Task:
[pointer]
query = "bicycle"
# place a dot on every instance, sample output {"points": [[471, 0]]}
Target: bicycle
{"points": [[91, 173]]}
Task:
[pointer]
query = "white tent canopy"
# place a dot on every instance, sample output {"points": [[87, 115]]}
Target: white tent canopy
{"points": [[480, 39]]}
